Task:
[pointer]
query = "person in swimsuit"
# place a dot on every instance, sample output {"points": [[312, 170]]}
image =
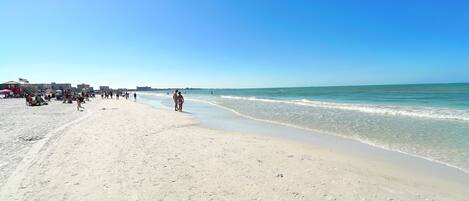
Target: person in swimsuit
{"points": [[180, 101], [78, 99], [175, 97]]}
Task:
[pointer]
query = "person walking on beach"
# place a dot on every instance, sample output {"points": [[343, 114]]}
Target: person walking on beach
{"points": [[135, 96], [79, 100], [180, 101], [175, 97]]}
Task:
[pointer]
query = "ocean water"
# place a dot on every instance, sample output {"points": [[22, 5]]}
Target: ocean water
{"points": [[429, 120]]}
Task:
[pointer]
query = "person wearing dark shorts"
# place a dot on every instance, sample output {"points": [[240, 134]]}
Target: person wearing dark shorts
{"points": [[180, 101], [175, 98]]}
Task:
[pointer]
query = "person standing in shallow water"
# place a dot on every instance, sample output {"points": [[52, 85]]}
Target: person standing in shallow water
{"points": [[175, 97], [135, 96], [180, 101]]}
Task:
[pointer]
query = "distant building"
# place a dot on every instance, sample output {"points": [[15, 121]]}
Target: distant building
{"points": [[53, 85], [104, 88], [146, 88], [41, 86], [83, 87], [15, 87], [122, 90], [9, 84], [60, 86]]}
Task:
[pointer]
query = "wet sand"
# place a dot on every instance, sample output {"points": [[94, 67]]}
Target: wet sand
{"points": [[121, 150]]}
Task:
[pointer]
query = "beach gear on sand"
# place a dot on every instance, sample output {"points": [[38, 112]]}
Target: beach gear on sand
{"points": [[5, 91]]}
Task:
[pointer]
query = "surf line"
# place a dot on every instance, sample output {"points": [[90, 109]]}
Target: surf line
{"points": [[15, 179]]}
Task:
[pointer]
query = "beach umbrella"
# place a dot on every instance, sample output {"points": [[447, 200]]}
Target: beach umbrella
{"points": [[5, 91]]}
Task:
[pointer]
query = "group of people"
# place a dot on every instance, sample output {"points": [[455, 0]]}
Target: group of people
{"points": [[80, 98], [178, 100], [36, 101], [66, 96], [118, 94]]}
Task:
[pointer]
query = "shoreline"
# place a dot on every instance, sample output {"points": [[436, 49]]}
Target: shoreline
{"points": [[452, 168], [130, 151], [367, 143]]}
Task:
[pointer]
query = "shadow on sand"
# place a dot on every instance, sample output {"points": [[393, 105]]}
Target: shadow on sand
{"points": [[186, 112]]}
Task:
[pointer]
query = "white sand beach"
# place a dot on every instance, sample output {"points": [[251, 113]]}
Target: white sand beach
{"points": [[123, 150]]}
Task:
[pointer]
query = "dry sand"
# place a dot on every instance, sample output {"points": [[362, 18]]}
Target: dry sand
{"points": [[121, 150]]}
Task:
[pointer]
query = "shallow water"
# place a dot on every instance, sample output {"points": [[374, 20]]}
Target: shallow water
{"points": [[429, 121]]}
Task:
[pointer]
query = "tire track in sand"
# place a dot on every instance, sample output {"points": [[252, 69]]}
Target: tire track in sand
{"points": [[14, 180]]}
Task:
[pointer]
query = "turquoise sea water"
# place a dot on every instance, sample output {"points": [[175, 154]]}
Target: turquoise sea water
{"points": [[428, 120]]}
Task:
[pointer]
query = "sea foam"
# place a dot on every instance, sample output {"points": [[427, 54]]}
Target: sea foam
{"points": [[421, 112]]}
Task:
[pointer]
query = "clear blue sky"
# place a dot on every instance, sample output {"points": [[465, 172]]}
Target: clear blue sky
{"points": [[234, 43]]}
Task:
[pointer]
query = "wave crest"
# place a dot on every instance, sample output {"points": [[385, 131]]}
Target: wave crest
{"points": [[419, 112]]}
